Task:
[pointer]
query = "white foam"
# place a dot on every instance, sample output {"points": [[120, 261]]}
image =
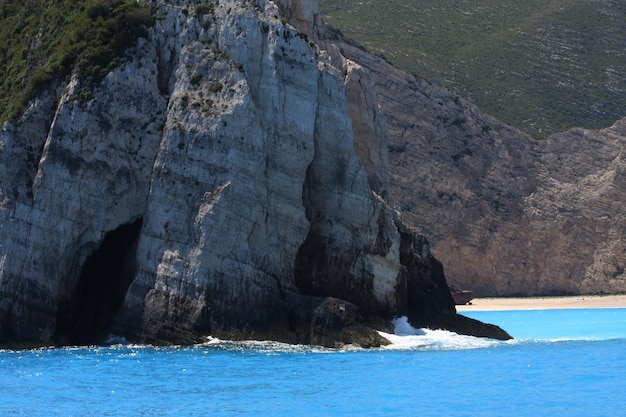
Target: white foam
{"points": [[437, 340], [407, 337], [263, 346]]}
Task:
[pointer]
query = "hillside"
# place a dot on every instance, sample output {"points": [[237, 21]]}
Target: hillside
{"points": [[505, 213], [541, 66], [43, 40]]}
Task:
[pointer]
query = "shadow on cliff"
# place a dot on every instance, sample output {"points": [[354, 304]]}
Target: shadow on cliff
{"points": [[85, 316], [355, 269], [424, 297]]}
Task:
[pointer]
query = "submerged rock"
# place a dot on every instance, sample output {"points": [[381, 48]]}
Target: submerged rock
{"points": [[221, 181]]}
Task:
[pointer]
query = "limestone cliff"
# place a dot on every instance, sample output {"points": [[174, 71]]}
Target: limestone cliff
{"points": [[506, 214], [217, 183]]}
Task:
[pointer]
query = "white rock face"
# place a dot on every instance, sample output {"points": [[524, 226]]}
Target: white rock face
{"points": [[219, 182], [225, 214], [90, 173]]}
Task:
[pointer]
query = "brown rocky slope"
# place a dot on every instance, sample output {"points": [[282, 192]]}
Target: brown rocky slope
{"points": [[506, 214]]}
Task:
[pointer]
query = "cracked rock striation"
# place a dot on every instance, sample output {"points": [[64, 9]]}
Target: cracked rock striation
{"points": [[229, 178]]}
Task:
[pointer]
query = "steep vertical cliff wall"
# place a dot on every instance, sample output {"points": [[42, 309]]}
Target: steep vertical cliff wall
{"points": [[218, 183], [506, 214]]}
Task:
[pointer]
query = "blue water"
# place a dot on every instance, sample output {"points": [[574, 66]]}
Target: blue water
{"points": [[563, 363]]}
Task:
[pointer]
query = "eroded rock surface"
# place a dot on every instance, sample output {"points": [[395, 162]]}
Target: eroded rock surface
{"points": [[506, 214], [218, 183]]}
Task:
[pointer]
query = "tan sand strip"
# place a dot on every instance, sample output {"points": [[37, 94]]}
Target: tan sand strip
{"points": [[545, 303]]}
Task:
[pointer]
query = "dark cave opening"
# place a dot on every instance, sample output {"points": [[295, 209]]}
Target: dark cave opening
{"points": [[85, 318]]}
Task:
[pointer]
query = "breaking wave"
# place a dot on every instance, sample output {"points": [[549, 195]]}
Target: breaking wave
{"points": [[406, 337]]}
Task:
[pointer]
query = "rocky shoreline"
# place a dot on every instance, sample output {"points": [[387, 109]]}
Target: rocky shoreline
{"points": [[229, 178]]}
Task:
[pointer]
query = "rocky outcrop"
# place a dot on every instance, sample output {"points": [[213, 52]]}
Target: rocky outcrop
{"points": [[305, 16], [211, 186], [506, 214]]}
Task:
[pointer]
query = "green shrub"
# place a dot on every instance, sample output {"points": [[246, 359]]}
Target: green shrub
{"points": [[205, 8], [195, 79], [216, 87], [47, 39], [542, 66], [184, 101]]}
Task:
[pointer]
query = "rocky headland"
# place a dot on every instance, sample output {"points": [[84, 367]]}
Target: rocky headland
{"points": [[506, 214], [229, 178]]}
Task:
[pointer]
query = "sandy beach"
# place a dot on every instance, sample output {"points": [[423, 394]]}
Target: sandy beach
{"points": [[545, 303]]}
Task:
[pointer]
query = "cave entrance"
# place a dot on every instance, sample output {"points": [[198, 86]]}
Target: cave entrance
{"points": [[85, 318]]}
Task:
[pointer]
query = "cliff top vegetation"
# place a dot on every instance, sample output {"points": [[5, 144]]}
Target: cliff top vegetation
{"points": [[541, 66], [45, 39]]}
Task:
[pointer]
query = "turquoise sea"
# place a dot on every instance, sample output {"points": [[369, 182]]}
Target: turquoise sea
{"points": [[562, 363]]}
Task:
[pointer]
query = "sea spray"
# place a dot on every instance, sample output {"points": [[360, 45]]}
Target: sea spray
{"points": [[407, 337]]}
